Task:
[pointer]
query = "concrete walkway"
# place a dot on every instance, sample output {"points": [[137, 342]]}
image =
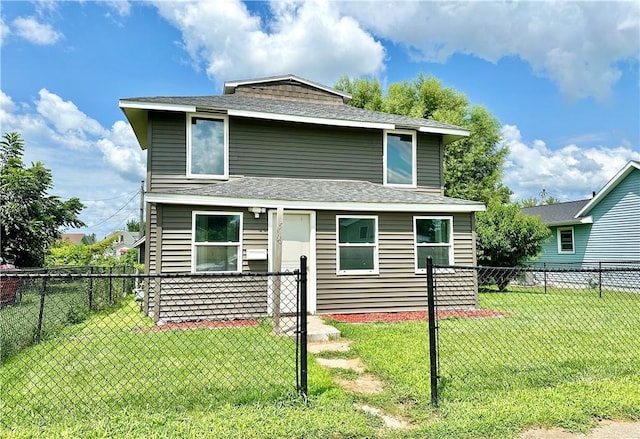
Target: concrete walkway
{"points": [[317, 330]]}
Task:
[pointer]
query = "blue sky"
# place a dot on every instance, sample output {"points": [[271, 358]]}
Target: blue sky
{"points": [[561, 77]]}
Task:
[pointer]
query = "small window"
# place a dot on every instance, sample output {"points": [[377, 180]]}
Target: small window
{"points": [[207, 147], [433, 236], [400, 158], [357, 245], [565, 240], [217, 245]]}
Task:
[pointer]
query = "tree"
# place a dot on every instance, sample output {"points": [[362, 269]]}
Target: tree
{"points": [[133, 225], [507, 238], [30, 218], [472, 166]]}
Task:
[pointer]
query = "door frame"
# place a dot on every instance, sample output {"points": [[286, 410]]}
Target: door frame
{"points": [[311, 258]]}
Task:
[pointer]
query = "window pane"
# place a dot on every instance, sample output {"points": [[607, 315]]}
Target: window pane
{"points": [[399, 158], [356, 258], [217, 228], [217, 258], [357, 230], [439, 254], [566, 240], [432, 231], [207, 146]]}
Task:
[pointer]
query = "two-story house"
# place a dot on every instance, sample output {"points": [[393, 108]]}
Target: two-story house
{"points": [[360, 193]]}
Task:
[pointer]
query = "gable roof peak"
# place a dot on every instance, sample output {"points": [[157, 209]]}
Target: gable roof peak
{"points": [[231, 86]]}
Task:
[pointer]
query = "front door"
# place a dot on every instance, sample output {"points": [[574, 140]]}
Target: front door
{"points": [[298, 238]]}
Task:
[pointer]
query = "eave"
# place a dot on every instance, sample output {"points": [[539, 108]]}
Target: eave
{"points": [[208, 200]]}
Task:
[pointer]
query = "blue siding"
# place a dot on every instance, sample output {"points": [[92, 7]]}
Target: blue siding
{"points": [[550, 248], [615, 235]]}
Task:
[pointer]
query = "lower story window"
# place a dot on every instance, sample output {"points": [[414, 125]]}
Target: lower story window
{"points": [[357, 245], [433, 236], [217, 244]]}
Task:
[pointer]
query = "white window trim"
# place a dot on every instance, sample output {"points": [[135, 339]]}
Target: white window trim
{"points": [[225, 119], [374, 245], [573, 241], [416, 245], [414, 158], [194, 244]]}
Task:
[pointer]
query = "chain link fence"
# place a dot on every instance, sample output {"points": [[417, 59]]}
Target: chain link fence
{"points": [[84, 342], [536, 327]]}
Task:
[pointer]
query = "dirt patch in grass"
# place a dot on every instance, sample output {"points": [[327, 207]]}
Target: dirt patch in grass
{"points": [[199, 324], [408, 316]]}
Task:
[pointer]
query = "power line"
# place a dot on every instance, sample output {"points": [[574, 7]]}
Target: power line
{"points": [[116, 212], [106, 199]]}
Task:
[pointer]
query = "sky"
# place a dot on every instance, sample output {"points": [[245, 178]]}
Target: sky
{"points": [[561, 77]]}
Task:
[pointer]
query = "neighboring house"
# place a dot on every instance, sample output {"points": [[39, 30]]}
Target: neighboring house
{"points": [[604, 229], [78, 238], [361, 195], [123, 241]]}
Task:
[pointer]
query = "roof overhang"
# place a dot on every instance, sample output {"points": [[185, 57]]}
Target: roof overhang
{"points": [[621, 175], [137, 114], [573, 222], [209, 200]]}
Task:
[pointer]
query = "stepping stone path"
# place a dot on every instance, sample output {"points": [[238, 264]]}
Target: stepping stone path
{"points": [[365, 383]]}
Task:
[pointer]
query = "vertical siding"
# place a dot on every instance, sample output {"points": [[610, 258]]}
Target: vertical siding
{"points": [[615, 233], [285, 149], [396, 287]]}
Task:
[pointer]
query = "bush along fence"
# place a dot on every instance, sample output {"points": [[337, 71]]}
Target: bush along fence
{"points": [[221, 338], [537, 327]]}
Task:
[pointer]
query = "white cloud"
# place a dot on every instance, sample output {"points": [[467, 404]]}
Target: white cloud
{"points": [[120, 7], [568, 174], [35, 32], [578, 45], [87, 160], [4, 31], [306, 38]]}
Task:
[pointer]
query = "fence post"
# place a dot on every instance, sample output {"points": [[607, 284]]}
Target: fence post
{"points": [[110, 286], [544, 270], [41, 313], [600, 279], [303, 327], [91, 289], [433, 349]]}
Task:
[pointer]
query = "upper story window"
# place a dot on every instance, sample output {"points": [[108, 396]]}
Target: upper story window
{"points": [[357, 243], [400, 158], [433, 236], [565, 240], [217, 242], [207, 146]]}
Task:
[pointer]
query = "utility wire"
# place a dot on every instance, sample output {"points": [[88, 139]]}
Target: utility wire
{"points": [[115, 213]]}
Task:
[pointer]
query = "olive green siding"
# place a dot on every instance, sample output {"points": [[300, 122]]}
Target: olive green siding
{"points": [[262, 148], [396, 288]]}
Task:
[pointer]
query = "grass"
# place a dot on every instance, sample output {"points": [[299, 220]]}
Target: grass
{"points": [[560, 359], [500, 376]]}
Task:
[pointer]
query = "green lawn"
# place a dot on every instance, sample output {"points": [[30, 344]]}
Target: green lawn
{"points": [[499, 377]]}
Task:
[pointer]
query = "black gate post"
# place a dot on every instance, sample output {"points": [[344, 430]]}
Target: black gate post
{"points": [[91, 289], [433, 349], [303, 327]]}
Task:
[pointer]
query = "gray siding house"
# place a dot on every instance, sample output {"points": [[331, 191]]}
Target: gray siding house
{"points": [[605, 228], [361, 195]]}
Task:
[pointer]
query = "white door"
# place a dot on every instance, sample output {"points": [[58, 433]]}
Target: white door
{"points": [[298, 238]]}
